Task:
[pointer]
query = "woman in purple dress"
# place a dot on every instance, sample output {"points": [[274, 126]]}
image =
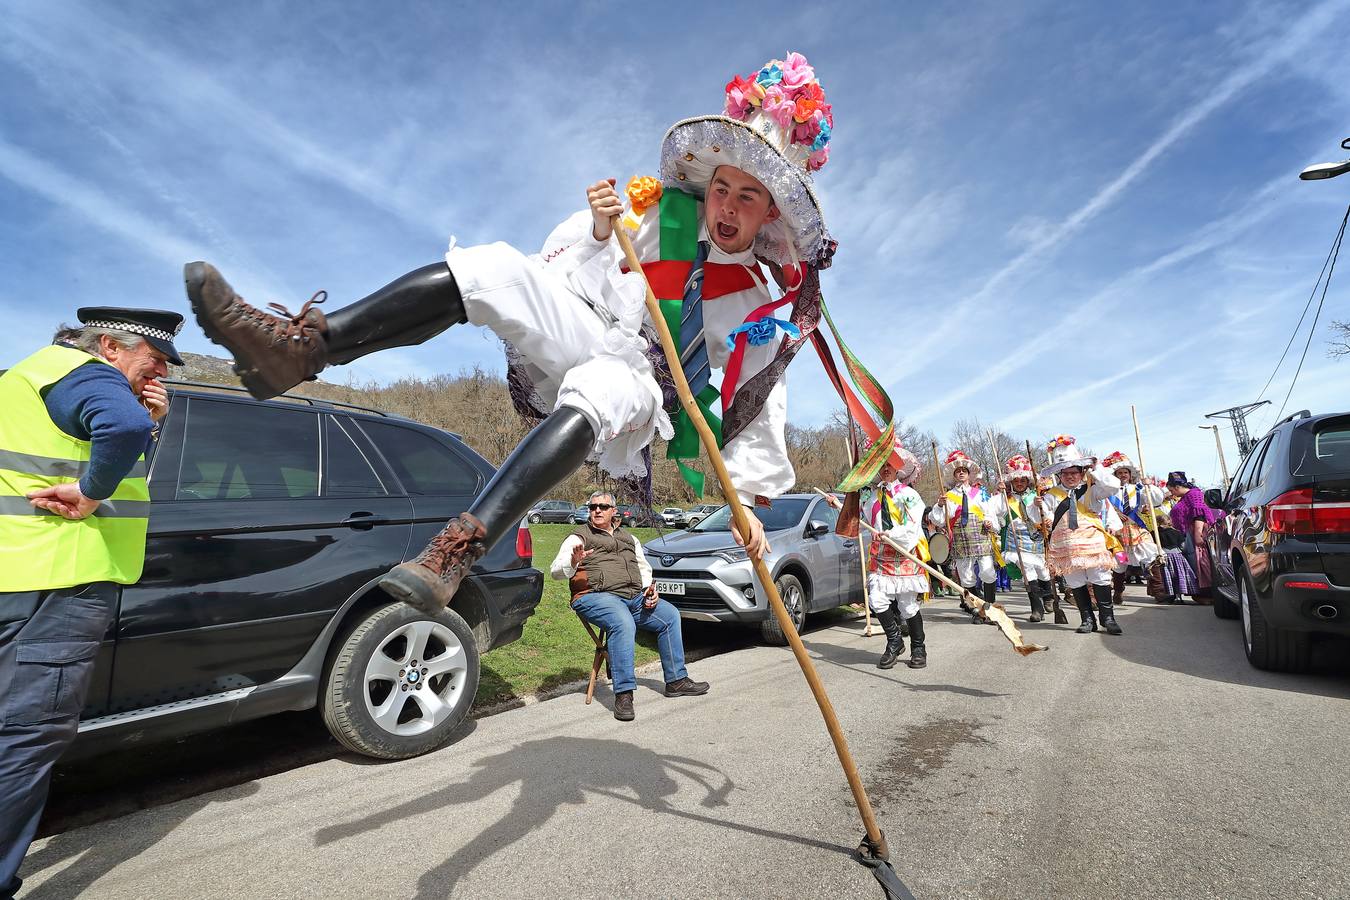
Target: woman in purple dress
{"points": [[1194, 518]]}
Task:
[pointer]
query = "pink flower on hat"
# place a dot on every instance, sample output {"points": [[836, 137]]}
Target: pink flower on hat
{"points": [[740, 92], [797, 72], [817, 160], [777, 106]]}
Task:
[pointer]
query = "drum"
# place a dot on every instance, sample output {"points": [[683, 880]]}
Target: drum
{"points": [[940, 548]]}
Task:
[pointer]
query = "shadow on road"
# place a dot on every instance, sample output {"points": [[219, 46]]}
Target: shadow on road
{"points": [[95, 857], [546, 775], [1191, 640], [864, 662]]}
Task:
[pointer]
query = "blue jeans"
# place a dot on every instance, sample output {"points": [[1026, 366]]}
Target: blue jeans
{"points": [[622, 617], [48, 643]]}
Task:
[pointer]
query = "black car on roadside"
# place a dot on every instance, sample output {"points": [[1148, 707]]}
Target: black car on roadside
{"points": [[551, 512], [270, 524], [1282, 547]]}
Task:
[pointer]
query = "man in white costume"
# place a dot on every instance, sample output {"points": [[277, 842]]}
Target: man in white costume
{"points": [[1132, 504], [969, 516], [735, 191], [895, 582], [1022, 542], [1082, 527]]}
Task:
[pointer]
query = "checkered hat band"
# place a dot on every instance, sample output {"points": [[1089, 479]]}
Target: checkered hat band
{"points": [[132, 327]]}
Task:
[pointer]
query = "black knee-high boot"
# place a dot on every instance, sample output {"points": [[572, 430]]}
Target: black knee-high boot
{"points": [[990, 595], [407, 311], [1084, 604], [918, 649], [1036, 594], [895, 644], [547, 455], [1104, 609]]}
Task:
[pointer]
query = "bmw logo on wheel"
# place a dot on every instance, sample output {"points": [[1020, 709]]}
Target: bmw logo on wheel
{"points": [[667, 561]]}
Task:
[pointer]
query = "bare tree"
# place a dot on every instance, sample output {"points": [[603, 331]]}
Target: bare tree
{"points": [[1341, 345]]}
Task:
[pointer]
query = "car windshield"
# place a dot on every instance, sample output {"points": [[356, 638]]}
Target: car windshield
{"points": [[783, 514]]}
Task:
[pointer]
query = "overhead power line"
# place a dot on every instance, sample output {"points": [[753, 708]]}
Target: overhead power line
{"points": [[1335, 252]]}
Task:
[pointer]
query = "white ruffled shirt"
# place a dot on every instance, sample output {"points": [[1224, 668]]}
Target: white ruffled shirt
{"points": [[756, 459]]}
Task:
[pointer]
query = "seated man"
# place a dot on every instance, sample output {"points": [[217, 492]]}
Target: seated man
{"points": [[611, 584]]}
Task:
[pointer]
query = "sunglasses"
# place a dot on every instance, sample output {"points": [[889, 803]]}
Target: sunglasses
{"points": [[595, 506]]}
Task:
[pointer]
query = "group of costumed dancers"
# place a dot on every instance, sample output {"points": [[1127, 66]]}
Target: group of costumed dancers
{"points": [[1079, 522]]}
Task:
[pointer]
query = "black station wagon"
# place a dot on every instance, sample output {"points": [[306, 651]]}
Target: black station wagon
{"points": [[270, 524]]}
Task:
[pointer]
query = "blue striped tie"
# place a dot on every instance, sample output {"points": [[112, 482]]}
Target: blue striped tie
{"points": [[693, 348]]}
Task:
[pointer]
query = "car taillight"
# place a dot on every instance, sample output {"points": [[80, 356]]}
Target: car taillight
{"points": [[1295, 512], [524, 543]]}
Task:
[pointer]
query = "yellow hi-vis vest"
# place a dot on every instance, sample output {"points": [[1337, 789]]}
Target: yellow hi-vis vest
{"points": [[41, 551]]}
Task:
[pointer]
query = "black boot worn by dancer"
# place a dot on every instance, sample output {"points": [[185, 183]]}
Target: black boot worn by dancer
{"points": [[895, 644], [918, 650], [990, 595], [1036, 595], [273, 353], [1104, 609], [553, 450], [1084, 604]]}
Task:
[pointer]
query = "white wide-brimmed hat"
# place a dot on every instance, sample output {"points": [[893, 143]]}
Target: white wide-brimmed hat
{"points": [[957, 459], [1064, 454], [907, 465], [1119, 460], [776, 126], [1018, 467]]}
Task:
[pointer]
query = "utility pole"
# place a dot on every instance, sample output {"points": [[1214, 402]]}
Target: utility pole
{"points": [[1223, 463], [1238, 416]]}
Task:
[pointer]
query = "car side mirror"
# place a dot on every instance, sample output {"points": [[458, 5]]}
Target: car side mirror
{"points": [[816, 528], [1214, 498]]}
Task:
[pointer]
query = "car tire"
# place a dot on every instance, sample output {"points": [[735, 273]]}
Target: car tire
{"points": [[795, 599], [1269, 648], [694, 520], [371, 670], [1225, 608], [535, 518]]}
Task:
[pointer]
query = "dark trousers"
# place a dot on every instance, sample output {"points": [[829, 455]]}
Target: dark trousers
{"points": [[48, 644]]}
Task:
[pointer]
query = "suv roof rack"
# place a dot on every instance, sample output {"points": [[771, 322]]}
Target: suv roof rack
{"points": [[300, 398], [1301, 414]]}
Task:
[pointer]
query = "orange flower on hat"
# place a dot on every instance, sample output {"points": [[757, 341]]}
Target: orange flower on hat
{"points": [[643, 193]]}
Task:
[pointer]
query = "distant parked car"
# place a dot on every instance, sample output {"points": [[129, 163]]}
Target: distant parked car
{"points": [[698, 513], [551, 512], [1282, 548], [580, 515], [638, 516], [673, 516], [707, 576]]}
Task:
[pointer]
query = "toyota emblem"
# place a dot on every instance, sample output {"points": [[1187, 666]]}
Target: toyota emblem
{"points": [[667, 561]]}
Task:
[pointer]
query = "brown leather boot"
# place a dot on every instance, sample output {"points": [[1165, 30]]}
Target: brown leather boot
{"points": [[272, 353], [428, 582], [1118, 588]]}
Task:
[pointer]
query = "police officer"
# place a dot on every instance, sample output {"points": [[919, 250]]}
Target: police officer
{"points": [[76, 419]]}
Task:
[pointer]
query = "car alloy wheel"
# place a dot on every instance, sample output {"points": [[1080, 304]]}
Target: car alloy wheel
{"points": [[535, 518], [795, 604], [412, 680], [1245, 605]]}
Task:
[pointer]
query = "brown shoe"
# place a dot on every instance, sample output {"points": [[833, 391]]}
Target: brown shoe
{"points": [[686, 687], [428, 582], [272, 354], [623, 706]]}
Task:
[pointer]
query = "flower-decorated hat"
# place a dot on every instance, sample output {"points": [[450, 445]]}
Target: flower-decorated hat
{"points": [[907, 465], [957, 459], [1119, 460], [776, 126], [1065, 454], [1018, 467]]}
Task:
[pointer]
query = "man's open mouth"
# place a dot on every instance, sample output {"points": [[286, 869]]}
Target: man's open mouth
{"points": [[727, 232]]}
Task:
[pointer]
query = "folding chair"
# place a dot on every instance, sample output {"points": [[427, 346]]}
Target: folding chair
{"points": [[601, 639]]}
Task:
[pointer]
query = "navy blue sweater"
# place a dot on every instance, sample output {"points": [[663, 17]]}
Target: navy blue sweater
{"points": [[95, 403]]}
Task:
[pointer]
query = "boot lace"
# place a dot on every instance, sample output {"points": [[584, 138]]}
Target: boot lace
{"points": [[288, 326]]}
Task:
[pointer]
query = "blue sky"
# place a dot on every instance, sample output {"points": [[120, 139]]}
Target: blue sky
{"points": [[1046, 211]]}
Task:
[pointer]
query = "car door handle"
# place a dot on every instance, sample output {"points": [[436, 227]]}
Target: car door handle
{"points": [[364, 520]]}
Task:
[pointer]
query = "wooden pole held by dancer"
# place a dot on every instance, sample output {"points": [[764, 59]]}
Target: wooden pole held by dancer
{"points": [[742, 522], [1139, 450]]}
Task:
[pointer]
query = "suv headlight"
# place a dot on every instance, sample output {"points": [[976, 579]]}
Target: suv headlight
{"points": [[734, 555]]}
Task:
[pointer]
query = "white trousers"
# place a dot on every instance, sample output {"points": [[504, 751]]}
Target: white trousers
{"points": [[1076, 578], [569, 350], [1032, 565], [882, 591], [965, 569]]}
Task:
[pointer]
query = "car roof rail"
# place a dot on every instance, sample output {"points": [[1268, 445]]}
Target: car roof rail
{"points": [[1301, 414], [299, 398]]}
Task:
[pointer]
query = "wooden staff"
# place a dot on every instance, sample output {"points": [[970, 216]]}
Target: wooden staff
{"points": [[987, 610], [1148, 492], [875, 838], [998, 473]]}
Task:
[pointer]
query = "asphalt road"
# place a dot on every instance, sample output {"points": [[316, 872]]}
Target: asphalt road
{"points": [[1155, 764]]}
